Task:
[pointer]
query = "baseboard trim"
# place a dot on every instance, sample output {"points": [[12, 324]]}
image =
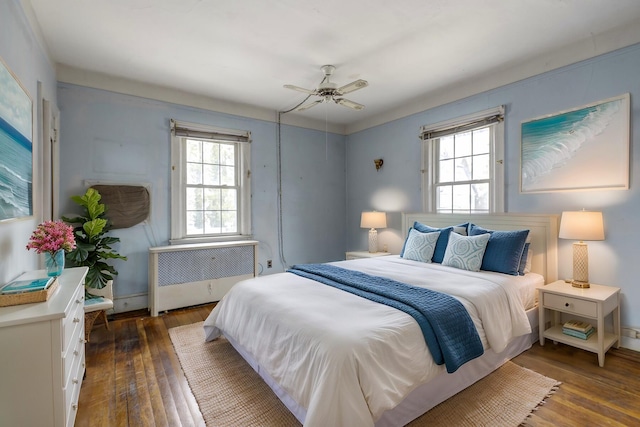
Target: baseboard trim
{"points": [[630, 343], [130, 303]]}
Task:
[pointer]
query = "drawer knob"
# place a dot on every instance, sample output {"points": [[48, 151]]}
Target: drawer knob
{"points": [[76, 320], [75, 381], [74, 406], [82, 340], [75, 352], [566, 304]]}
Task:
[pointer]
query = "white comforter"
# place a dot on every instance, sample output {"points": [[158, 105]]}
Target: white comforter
{"points": [[347, 359]]}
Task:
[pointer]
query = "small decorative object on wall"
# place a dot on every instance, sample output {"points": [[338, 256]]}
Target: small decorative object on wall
{"points": [[16, 158], [378, 163], [586, 148], [53, 239]]}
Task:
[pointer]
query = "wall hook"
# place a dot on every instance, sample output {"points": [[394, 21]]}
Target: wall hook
{"points": [[378, 163]]}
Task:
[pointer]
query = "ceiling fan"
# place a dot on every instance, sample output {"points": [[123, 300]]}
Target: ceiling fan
{"points": [[329, 91]]}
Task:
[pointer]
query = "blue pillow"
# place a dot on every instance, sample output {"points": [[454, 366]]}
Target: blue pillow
{"points": [[441, 244], [465, 252], [420, 246], [523, 259], [461, 229], [504, 249]]}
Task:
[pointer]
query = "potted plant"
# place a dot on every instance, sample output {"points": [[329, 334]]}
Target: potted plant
{"points": [[93, 246]]}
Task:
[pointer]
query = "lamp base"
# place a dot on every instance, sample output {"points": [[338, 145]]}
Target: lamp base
{"points": [[580, 263], [579, 284], [373, 241]]}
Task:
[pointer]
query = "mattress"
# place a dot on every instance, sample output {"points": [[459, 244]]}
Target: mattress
{"points": [[344, 360]]}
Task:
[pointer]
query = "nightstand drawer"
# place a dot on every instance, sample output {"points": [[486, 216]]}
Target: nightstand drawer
{"points": [[571, 305]]}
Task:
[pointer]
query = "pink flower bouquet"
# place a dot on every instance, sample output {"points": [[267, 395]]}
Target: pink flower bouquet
{"points": [[51, 236]]}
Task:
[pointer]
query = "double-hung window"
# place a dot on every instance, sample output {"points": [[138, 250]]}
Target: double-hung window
{"points": [[210, 184], [463, 164]]}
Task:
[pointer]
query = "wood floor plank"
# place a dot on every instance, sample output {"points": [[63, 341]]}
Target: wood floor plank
{"points": [[134, 379], [175, 406], [161, 404]]}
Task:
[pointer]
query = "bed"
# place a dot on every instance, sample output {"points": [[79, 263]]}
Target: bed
{"points": [[335, 358]]}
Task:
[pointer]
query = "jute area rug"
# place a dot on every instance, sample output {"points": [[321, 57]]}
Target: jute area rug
{"points": [[230, 393]]}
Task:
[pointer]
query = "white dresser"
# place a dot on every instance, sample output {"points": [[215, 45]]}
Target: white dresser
{"points": [[42, 355]]}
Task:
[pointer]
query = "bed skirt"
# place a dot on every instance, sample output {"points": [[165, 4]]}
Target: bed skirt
{"points": [[427, 395]]}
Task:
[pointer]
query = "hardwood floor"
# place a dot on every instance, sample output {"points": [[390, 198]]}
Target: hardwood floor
{"points": [[134, 379]]}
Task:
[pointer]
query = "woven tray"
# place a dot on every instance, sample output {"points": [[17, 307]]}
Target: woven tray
{"points": [[28, 297]]}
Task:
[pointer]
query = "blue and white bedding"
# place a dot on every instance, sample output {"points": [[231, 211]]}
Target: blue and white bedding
{"points": [[346, 359], [448, 330]]}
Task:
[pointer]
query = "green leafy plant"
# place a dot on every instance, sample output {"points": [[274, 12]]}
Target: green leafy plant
{"points": [[93, 246]]}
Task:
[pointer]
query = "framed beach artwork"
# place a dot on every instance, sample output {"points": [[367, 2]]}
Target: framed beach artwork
{"points": [[585, 148], [16, 150]]}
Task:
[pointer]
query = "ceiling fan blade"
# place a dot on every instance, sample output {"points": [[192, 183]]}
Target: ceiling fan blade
{"points": [[350, 87], [300, 89], [349, 104], [311, 104]]}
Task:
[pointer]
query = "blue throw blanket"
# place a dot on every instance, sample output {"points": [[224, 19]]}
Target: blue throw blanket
{"points": [[446, 325]]}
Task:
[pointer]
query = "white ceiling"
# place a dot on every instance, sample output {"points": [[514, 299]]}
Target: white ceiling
{"points": [[414, 53]]}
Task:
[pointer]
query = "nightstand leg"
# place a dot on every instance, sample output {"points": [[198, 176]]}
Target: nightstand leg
{"points": [[541, 324], [616, 324], [601, 340]]}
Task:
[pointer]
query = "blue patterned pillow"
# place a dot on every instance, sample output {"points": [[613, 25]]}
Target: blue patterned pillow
{"points": [[441, 244], [420, 246], [504, 249], [465, 252]]}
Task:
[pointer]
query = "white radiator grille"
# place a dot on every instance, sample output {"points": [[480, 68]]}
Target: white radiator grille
{"points": [[177, 267]]}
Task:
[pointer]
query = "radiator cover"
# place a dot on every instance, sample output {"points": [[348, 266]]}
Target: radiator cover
{"points": [[185, 275]]}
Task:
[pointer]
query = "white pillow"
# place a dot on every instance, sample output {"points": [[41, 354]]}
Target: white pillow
{"points": [[420, 246], [465, 252]]}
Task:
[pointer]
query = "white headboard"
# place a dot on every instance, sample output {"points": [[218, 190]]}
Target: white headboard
{"points": [[543, 230]]}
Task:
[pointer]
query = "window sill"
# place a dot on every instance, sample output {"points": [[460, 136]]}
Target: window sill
{"points": [[192, 240]]}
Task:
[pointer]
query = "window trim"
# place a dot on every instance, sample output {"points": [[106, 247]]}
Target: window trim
{"points": [[180, 130], [428, 135]]}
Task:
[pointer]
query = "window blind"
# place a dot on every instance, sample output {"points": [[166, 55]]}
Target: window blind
{"points": [[191, 130], [430, 133]]}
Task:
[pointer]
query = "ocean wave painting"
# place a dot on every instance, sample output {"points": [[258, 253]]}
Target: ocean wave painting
{"points": [[586, 148], [16, 157]]}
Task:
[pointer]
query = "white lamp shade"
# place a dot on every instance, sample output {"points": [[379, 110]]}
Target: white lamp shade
{"points": [[581, 225], [373, 220]]}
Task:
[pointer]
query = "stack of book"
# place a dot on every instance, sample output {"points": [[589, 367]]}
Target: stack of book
{"points": [[578, 329], [22, 286]]}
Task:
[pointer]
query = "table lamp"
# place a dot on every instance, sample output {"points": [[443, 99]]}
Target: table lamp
{"points": [[581, 225], [373, 220]]}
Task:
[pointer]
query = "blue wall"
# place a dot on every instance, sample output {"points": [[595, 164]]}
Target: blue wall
{"points": [[23, 56], [110, 137], [117, 138], [397, 186]]}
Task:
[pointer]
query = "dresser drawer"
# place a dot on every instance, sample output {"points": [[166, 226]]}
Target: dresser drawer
{"points": [[74, 319], [571, 305], [73, 353], [72, 390]]}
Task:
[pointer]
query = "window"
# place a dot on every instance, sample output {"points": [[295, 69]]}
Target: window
{"points": [[463, 165], [210, 185]]}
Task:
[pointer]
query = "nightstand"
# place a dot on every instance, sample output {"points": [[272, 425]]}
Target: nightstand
{"points": [[365, 254], [594, 303]]}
